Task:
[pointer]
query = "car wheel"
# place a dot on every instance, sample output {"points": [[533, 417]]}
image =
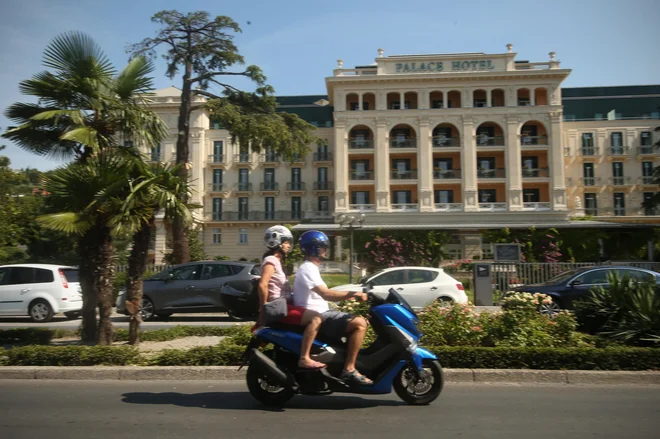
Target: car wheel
{"points": [[147, 311], [444, 301], [40, 311], [549, 309]]}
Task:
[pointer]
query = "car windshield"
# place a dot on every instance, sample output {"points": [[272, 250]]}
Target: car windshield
{"points": [[370, 278], [562, 277]]}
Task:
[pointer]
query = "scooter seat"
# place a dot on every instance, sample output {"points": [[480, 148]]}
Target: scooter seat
{"points": [[300, 329]]}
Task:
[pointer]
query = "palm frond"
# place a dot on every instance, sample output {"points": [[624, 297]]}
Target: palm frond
{"points": [[134, 80], [76, 55], [84, 135], [67, 222]]}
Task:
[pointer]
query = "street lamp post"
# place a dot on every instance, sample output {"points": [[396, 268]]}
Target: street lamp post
{"points": [[351, 221]]}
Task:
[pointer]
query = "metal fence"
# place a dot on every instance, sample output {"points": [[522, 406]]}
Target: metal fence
{"points": [[150, 268], [508, 275]]}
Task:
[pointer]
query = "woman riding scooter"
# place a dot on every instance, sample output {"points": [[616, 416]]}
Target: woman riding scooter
{"points": [[274, 284]]}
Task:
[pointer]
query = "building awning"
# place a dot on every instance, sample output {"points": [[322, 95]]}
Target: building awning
{"points": [[472, 226]]}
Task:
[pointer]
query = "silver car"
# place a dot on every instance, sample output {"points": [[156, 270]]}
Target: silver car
{"points": [[193, 287]]}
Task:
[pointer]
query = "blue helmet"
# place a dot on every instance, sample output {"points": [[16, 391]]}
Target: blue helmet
{"points": [[312, 241]]}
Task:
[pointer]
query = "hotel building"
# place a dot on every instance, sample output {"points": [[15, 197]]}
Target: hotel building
{"points": [[459, 142]]}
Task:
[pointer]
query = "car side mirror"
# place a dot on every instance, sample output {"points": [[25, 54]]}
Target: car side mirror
{"points": [[169, 278], [576, 282], [361, 279]]}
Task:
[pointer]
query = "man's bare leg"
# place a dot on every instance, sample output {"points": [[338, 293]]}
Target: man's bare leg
{"points": [[312, 322]]}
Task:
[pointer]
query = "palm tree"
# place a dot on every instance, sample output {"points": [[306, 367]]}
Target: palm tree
{"points": [[154, 188], [84, 108]]}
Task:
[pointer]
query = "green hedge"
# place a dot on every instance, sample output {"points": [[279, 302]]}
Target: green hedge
{"points": [[225, 354], [70, 356], [613, 358]]}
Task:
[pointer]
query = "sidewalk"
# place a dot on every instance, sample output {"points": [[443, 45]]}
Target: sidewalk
{"points": [[231, 373]]}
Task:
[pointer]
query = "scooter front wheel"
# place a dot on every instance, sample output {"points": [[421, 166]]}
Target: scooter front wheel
{"points": [[420, 392], [264, 389]]}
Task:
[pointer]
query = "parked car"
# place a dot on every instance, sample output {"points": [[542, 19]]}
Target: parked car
{"points": [[418, 285], [193, 287], [576, 284], [39, 291]]}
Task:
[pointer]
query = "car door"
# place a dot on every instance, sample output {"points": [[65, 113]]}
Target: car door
{"points": [[582, 285], [182, 289], [5, 301], [421, 288], [390, 279], [214, 276], [15, 293]]}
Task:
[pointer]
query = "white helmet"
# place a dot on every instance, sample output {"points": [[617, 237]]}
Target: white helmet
{"points": [[276, 235]]}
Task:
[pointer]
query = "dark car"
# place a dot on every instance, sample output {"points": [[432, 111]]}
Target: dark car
{"points": [[576, 284], [193, 287]]}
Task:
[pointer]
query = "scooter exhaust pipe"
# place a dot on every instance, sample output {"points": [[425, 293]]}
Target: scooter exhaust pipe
{"points": [[269, 366]]}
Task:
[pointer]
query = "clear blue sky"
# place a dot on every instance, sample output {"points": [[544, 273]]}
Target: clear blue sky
{"points": [[297, 42]]}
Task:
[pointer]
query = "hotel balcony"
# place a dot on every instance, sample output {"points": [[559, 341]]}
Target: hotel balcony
{"points": [[530, 173], [647, 180], [243, 188], [589, 152], [449, 174], [533, 141], [618, 151], [486, 141], [362, 207], [448, 207], [403, 143], [217, 160], [255, 216], [269, 160], [405, 207], [446, 142], [218, 189], [491, 173], [621, 211], [323, 186], [360, 144], [322, 158], [620, 181], [297, 161], [537, 206], [590, 181], [362, 175], [295, 188], [269, 188], [243, 159], [647, 150], [409, 174], [319, 216], [493, 207]]}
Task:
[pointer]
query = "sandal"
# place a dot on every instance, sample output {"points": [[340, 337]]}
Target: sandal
{"points": [[312, 365], [354, 377]]}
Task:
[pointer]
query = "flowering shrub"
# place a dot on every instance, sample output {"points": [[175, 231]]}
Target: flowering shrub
{"points": [[354, 307], [462, 265], [525, 301]]}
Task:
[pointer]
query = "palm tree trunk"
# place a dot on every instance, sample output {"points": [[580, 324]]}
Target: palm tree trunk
{"points": [[104, 276], [180, 248], [87, 264], [137, 264]]}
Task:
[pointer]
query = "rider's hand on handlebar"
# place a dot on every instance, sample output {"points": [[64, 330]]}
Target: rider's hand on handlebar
{"points": [[362, 297]]}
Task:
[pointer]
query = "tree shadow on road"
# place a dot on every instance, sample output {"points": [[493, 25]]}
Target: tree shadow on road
{"points": [[244, 401]]}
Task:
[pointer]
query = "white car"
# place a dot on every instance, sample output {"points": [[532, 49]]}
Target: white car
{"points": [[39, 291], [420, 286]]}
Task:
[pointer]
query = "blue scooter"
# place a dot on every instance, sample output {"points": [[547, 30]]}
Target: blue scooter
{"points": [[393, 360]]}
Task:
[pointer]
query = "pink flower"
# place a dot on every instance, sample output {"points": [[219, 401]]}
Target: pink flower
{"points": [[476, 328]]}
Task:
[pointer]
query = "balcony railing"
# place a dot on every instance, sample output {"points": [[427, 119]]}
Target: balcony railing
{"points": [[403, 143], [360, 143], [621, 211], [217, 216], [588, 151], [243, 187], [322, 156], [533, 140], [590, 181], [537, 206], [243, 158], [490, 141], [446, 142], [646, 150], [217, 159], [323, 186], [269, 158], [268, 215], [295, 186], [448, 207], [218, 187], [618, 150], [362, 207], [491, 173], [647, 179], [620, 181], [493, 207], [362, 175], [405, 207], [269, 186], [535, 173], [409, 174], [442, 174], [322, 215]]}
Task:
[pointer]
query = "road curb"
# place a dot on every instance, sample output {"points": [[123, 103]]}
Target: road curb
{"points": [[231, 373]]}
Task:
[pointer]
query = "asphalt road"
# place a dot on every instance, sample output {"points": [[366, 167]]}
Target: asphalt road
{"points": [[120, 321], [196, 410]]}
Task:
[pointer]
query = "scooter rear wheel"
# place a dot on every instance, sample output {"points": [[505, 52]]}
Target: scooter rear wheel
{"points": [[416, 392], [264, 389]]}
